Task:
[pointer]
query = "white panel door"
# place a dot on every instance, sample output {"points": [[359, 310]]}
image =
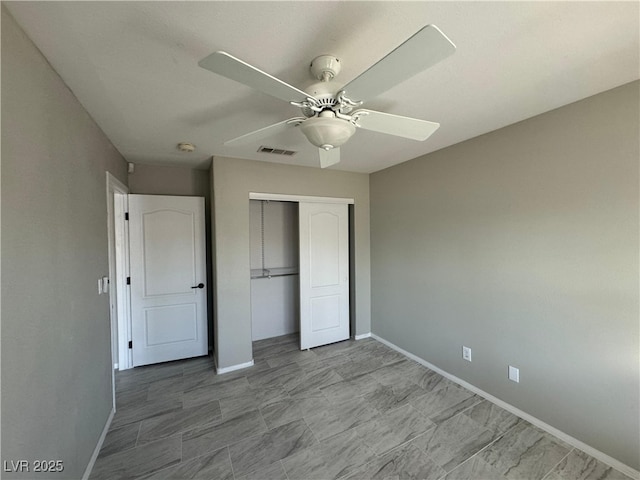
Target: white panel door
{"points": [[168, 275], [324, 274]]}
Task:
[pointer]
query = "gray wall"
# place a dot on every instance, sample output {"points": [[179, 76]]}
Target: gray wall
{"points": [[157, 180], [56, 356], [233, 179], [523, 245]]}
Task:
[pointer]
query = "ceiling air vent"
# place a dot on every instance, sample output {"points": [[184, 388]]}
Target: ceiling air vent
{"points": [[276, 151]]}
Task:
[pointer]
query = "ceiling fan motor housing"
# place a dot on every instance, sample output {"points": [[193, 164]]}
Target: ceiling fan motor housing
{"points": [[324, 94]]}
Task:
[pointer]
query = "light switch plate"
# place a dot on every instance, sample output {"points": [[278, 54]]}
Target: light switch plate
{"points": [[514, 374]]}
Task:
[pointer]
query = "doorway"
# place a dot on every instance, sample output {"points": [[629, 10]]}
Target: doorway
{"points": [[118, 250], [158, 330]]}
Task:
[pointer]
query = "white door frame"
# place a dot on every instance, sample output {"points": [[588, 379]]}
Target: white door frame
{"points": [[117, 207]]}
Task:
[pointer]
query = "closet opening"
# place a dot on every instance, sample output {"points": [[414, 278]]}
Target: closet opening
{"points": [[275, 287], [302, 272]]}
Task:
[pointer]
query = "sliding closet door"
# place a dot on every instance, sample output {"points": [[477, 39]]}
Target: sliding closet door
{"points": [[324, 273]]}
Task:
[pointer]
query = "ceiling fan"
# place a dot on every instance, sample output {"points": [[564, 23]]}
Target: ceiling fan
{"points": [[330, 110]]}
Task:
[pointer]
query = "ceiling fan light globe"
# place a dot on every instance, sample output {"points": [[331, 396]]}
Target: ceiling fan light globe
{"points": [[327, 131]]}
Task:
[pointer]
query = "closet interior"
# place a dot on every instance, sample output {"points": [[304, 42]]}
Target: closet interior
{"points": [[275, 295]]}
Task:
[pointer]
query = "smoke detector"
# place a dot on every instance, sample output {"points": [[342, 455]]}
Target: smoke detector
{"points": [[186, 147]]}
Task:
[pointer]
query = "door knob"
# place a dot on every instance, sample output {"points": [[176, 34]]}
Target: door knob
{"points": [[200, 285]]}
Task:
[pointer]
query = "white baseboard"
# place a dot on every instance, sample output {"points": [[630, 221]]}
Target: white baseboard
{"points": [[96, 451], [364, 335], [232, 368], [597, 454]]}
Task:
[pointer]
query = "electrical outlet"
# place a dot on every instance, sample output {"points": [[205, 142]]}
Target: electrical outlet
{"points": [[466, 353], [514, 374]]}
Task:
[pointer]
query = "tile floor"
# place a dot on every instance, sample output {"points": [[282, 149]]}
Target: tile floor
{"points": [[352, 410]]}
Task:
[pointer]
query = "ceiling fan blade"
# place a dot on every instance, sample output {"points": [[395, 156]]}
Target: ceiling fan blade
{"points": [[329, 157], [424, 49], [231, 67], [406, 127], [265, 132]]}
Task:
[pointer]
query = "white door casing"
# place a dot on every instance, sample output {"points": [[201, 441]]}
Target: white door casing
{"points": [[167, 250], [324, 273]]}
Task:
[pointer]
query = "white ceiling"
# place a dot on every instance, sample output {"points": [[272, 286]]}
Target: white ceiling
{"points": [[134, 67]]}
